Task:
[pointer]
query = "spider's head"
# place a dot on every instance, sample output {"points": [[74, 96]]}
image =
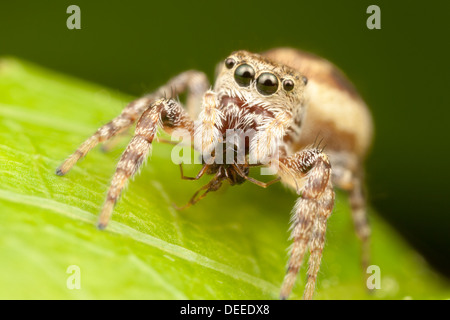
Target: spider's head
{"points": [[250, 79]]}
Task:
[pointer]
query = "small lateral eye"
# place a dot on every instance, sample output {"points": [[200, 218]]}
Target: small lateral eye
{"points": [[305, 80], [288, 85], [267, 84], [244, 75], [229, 63]]}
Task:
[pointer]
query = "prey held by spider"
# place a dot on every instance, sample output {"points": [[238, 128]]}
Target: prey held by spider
{"points": [[278, 104]]}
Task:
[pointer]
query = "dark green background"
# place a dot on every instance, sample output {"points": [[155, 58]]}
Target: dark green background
{"points": [[402, 71]]}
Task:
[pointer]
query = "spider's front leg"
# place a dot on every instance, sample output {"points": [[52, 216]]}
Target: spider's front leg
{"points": [[165, 113], [311, 170], [194, 82]]}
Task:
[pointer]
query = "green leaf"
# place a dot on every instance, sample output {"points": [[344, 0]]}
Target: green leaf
{"points": [[232, 245]]}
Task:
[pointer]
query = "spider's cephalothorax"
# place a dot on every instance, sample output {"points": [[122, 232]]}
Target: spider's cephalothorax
{"points": [[277, 104]]}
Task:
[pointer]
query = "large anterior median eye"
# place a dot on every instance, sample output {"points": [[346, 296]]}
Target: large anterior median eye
{"points": [[267, 84], [244, 75]]}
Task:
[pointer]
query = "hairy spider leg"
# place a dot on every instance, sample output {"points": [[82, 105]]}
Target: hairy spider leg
{"points": [[164, 113], [310, 213], [194, 82]]}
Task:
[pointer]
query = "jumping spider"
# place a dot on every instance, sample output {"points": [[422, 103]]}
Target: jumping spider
{"points": [[289, 98]]}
